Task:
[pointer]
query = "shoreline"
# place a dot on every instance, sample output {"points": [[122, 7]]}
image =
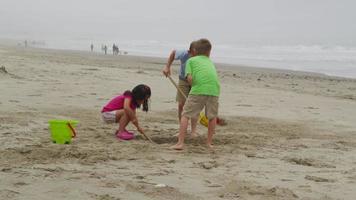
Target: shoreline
{"points": [[225, 66], [15, 44]]}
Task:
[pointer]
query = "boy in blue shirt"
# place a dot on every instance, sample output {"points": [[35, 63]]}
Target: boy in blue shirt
{"points": [[182, 56]]}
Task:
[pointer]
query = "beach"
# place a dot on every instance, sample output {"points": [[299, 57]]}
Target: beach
{"points": [[289, 134]]}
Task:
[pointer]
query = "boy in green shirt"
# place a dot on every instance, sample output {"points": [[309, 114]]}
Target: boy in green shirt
{"points": [[205, 91]]}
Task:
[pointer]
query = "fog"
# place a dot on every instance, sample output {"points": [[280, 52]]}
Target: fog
{"points": [[328, 22]]}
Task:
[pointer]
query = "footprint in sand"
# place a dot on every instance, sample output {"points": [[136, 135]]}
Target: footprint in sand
{"points": [[319, 179], [7, 194], [34, 95], [91, 69], [311, 108], [103, 197], [168, 101], [308, 162], [244, 105], [230, 195], [19, 184], [6, 170], [208, 164]]}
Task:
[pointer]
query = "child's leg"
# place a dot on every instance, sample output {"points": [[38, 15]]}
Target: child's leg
{"points": [[194, 122], [181, 98], [180, 110], [211, 132], [191, 108], [122, 119], [182, 132], [211, 111]]}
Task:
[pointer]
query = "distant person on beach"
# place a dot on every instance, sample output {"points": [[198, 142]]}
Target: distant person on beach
{"points": [[201, 74], [122, 109], [25, 43], [105, 49], [92, 47], [182, 56], [115, 49]]}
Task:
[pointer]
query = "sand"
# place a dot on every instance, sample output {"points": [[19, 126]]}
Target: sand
{"points": [[290, 135]]}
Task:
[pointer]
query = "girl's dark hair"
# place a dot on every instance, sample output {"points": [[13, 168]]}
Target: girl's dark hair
{"points": [[140, 92]]}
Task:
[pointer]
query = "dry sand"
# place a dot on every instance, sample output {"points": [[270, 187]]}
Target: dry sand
{"points": [[290, 135]]}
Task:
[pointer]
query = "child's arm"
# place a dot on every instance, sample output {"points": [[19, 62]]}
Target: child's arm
{"points": [[167, 69], [128, 110], [188, 71], [190, 79], [130, 113]]}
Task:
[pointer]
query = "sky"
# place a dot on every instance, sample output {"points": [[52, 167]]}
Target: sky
{"points": [[268, 22]]}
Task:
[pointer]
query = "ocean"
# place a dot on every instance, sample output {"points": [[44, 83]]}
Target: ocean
{"points": [[329, 60]]}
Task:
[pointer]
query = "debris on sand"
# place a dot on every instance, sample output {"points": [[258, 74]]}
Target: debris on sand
{"points": [[140, 71], [3, 70]]}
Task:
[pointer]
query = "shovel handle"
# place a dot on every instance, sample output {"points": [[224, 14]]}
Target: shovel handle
{"points": [[73, 131], [146, 137], [175, 84]]}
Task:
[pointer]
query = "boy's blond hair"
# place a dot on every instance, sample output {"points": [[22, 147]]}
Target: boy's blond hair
{"points": [[202, 47]]}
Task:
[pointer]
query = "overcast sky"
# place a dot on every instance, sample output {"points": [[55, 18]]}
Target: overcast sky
{"points": [[330, 22]]}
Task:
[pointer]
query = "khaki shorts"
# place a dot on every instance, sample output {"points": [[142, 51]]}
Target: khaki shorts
{"points": [[185, 87], [196, 103]]}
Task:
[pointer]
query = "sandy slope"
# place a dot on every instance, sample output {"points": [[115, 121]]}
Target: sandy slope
{"points": [[290, 135]]}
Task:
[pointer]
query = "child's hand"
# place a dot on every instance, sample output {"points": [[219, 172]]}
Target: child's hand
{"points": [[139, 129], [144, 135], [135, 122], [166, 71]]}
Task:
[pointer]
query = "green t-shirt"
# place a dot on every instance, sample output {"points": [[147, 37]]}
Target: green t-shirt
{"points": [[205, 78]]}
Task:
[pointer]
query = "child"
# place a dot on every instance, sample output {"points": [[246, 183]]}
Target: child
{"points": [[205, 91], [122, 110], [183, 56]]}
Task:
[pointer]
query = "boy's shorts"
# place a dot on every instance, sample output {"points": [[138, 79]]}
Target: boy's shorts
{"points": [[185, 87], [109, 117], [196, 103]]}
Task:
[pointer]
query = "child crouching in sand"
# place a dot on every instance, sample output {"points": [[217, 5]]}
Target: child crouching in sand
{"points": [[122, 109], [205, 91]]}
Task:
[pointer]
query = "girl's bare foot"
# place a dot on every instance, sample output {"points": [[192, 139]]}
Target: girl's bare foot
{"points": [[177, 147], [117, 133]]}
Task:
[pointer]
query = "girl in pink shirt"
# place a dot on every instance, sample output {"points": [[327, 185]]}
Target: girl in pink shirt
{"points": [[122, 109]]}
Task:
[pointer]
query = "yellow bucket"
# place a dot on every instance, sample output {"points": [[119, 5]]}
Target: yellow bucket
{"points": [[203, 119], [62, 131]]}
